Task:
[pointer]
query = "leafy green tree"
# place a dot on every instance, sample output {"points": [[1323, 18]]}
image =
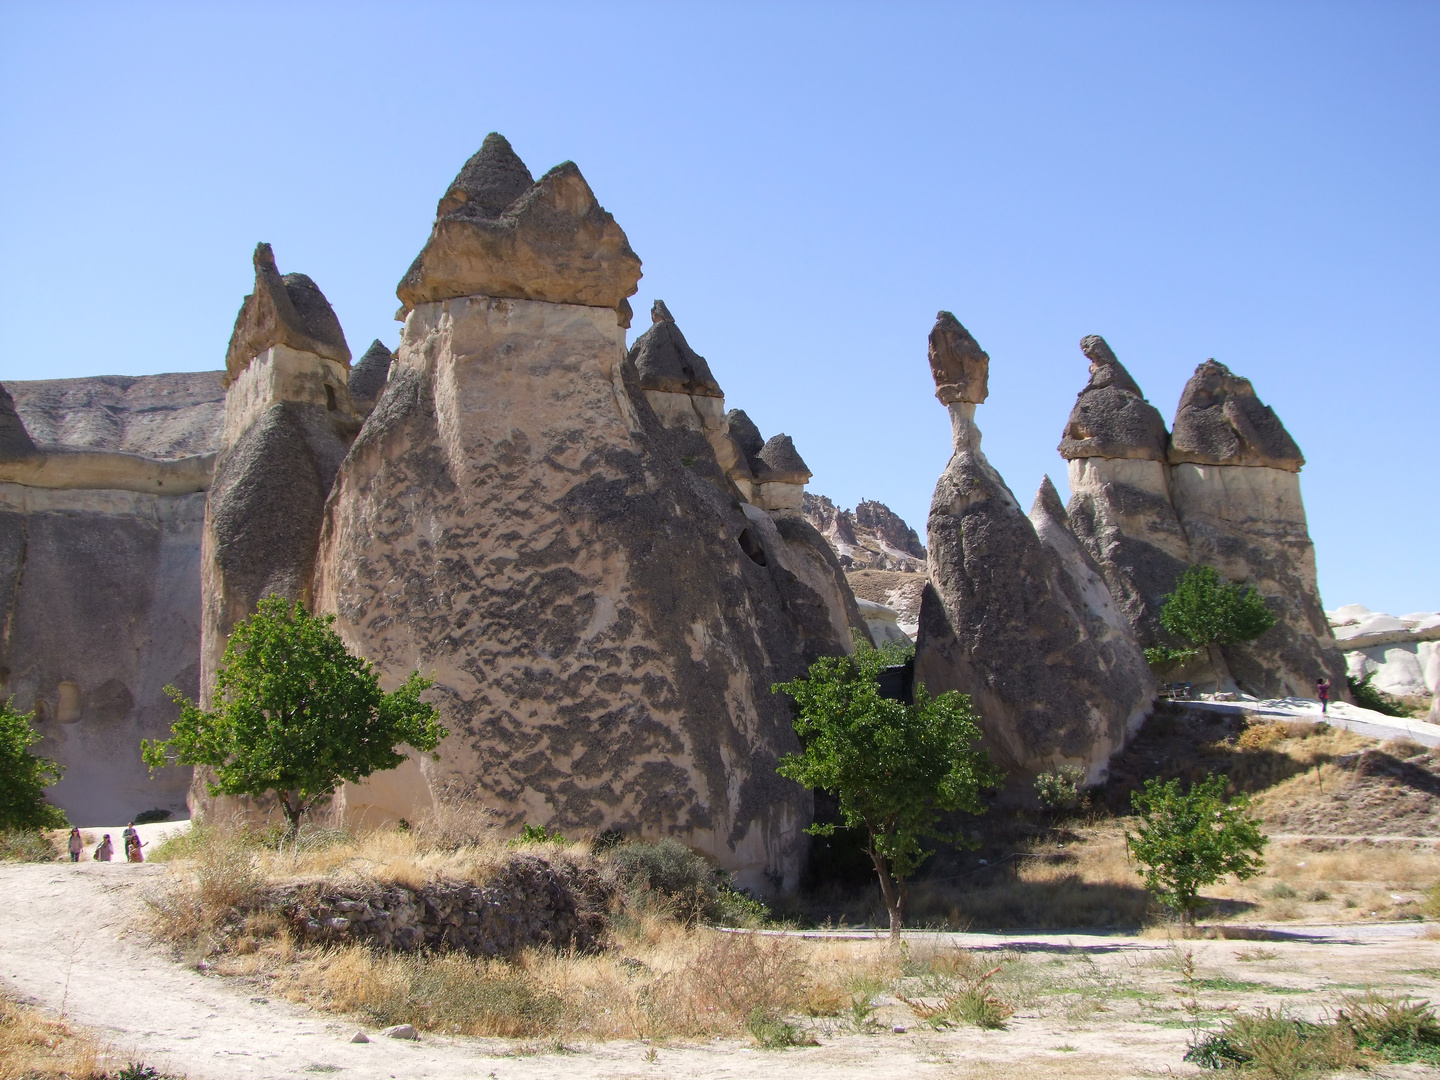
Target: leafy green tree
{"points": [[24, 777], [1187, 840], [295, 713], [1207, 610], [894, 768]]}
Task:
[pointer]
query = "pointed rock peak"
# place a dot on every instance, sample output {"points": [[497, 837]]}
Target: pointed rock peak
{"points": [[1221, 421], [960, 367], [1048, 505], [15, 441], [1105, 368], [782, 461], [1111, 418], [499, 234], [370, 374], [744, 434], [289, 310], [666, 362], [491, 180]]}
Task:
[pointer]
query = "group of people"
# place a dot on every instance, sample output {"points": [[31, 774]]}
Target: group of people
{"points": [[105, 850]]}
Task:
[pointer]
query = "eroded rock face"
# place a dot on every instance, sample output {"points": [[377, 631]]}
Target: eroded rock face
{"points": [[496, 234], [100, 585], [368, 377], [1120, 506], [960, 367], [602, 614], [871, 537], [1220, 421], [289, 310], [288, 423], [1006, 621], [15, 441], [665, 361]]}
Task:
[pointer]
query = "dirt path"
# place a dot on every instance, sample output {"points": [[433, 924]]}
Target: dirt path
{"points": [[68, 941]]}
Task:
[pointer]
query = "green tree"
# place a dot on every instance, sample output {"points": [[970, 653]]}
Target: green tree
{"points": [[24, 777], [1207, 610], [295, 713], [1187, 840], [894, 768]]}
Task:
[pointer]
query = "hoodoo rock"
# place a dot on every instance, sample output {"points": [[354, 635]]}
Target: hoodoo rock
{"points": [[497, 234], [289, 420], [1006, 620], [601, 608], [1120, 506], [368, 377], [101, 504], [289, 311], [1235, 483]]}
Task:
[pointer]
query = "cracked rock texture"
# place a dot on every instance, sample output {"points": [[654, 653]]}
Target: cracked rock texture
{"points": [[1006, 620]]}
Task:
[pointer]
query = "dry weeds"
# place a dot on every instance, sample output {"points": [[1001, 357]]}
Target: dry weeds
{"points": [[34, 1047]]}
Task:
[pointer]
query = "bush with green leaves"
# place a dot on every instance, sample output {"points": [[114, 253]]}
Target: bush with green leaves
{"points": [[24, 777], [1188, 839], [1207, 610], [665, 874], [295, 713], [1061, 790], [1367, 697], [895, 769]]}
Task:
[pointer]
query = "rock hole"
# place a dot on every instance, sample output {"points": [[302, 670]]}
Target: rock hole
{"points": [[751, 546], [69, 710], [330, 405]]}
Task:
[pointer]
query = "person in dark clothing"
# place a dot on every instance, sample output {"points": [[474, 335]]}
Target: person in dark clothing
{"points": [[1322, 691]]}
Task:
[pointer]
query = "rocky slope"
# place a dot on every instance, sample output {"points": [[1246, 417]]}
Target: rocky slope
{"points": [[870, 537]]}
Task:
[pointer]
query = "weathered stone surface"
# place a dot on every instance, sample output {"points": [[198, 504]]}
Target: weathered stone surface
{"points": [[666, 362], [1111, 418], [1220, 421], [871, 537], [551, 241], [896, 589], [289, 310], [782, 462], [1004, 621], [883, 623], [164, 417], [960, 367], [15, 441], [602, 620], [367, 377], [1248, 522]]}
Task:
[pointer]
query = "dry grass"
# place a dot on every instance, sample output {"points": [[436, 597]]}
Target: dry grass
{"points": [[34, 1047]]}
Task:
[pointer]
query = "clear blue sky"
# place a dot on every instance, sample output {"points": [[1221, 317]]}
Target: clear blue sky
{"points": [[807, 184]]}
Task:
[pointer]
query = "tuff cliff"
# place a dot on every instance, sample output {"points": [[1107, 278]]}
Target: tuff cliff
{"points": [[558, 532], [1015, 614]]}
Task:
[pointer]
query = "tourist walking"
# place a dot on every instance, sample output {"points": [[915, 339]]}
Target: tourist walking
{"points": [[76, 845], [132, 844], [106, 851], [1322, 691]]}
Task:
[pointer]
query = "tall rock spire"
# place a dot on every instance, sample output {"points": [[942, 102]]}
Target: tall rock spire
{"points": [[1111, 418]]}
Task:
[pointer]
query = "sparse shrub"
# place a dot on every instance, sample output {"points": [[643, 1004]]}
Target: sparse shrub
{"points": [[1061, 790], [1368, 697], [1316, 896], [1262, 736], [1274, 1045], [1281, 891], [1402, 1029], [27, 846], [538, 834], [774, 1032], [666, 875], [974, 1002], [738, 973]]}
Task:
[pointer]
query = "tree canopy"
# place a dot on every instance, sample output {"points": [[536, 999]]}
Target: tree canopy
{"points": [[894, 768], [24, 777], [295, 713], [1187, 840], [1206, 610]]}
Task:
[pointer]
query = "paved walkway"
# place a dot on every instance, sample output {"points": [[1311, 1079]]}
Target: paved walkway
{"points": [[1341, 714]]}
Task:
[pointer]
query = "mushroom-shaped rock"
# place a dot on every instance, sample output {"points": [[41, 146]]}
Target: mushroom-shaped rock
{"points": [[15, 441], [1111, 418], [289, 310], [961, 368], [666, 362], [781, 462], [1220, 421], [368, 376], [496, 234]]}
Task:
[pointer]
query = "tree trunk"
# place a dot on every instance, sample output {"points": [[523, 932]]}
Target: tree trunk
{"points": [[293, 810], [893, 893]]}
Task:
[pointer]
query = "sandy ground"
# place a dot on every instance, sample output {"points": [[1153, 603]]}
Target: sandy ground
{"points": [[69, 942]]}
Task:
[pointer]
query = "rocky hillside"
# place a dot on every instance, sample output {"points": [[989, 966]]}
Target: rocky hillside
{"points": [[871, 537]]}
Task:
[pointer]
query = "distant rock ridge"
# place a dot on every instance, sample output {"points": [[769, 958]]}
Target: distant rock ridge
{"points": [[871, 537], [1400, 653]]}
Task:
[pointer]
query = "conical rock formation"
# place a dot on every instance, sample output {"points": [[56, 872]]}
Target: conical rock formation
{"points": [[1003, 618]]}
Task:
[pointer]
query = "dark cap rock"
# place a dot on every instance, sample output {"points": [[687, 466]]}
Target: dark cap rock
{"points": [[497, 234], [289, 310], [746, 437], [1220, 421], [961, 368], [665, 360], [370, 373], [1111, 418], [15, 441], [781, 462]]}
